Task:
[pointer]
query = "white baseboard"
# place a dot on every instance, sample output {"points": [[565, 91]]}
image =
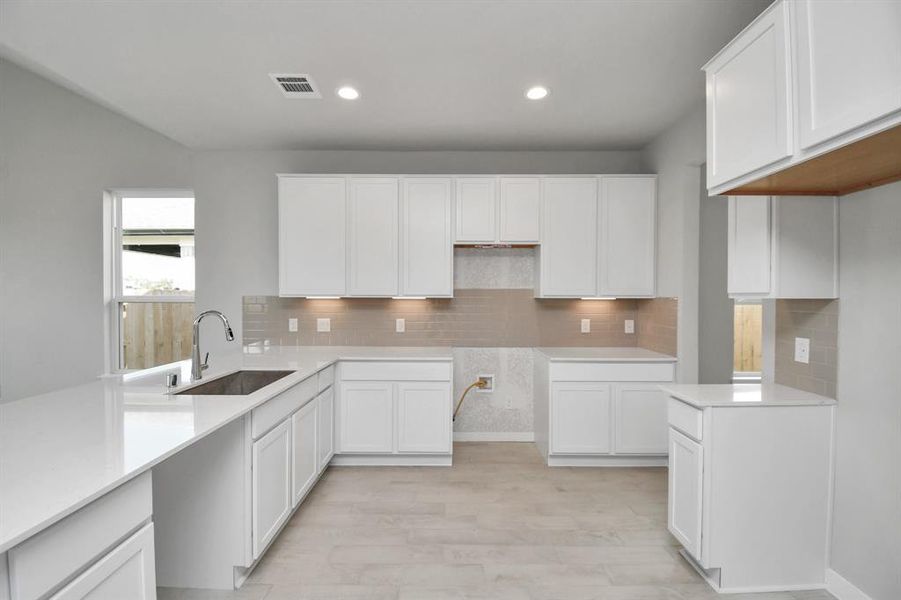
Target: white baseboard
{"points": [[494, 436], [843, 589]]}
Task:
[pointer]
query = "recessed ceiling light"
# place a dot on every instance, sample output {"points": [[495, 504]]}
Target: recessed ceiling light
{"points": [[536, 93], [348, 93]]}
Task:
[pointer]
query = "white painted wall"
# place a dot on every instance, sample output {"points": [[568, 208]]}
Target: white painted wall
{"points": [[236, 201], [677, 156], [866, 536], [58, 152]]}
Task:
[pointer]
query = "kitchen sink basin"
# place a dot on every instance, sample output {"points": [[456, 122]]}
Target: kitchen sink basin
{"points": [[239, 383]]}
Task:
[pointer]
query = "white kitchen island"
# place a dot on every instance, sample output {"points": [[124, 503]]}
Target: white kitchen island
{"points": [[103, 472], [750, 484]]}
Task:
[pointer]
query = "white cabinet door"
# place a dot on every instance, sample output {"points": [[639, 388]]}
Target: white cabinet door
{"points": [[366, 417], [427, 248], [580, 418], [424, 417], [325, 434], [749, 245], [271, 485], [686, 477], [639, 419], [372, 236], [311, 225], [305, 461], [569, 250], [476, 209], [127, 571], [749, 100], [628, 236], [848, 63], [520, 210]]}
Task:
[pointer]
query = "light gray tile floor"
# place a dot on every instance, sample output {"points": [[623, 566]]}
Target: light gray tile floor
{"points": [[497, 525]]}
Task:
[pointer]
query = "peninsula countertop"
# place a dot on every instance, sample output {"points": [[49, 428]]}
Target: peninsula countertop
{"points": [[605, 354], [743, 395], [61, 450]]}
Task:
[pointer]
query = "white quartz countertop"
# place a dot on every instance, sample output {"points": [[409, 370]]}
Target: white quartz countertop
{"points": [[605, 354], [62, 450], [743, 395]]}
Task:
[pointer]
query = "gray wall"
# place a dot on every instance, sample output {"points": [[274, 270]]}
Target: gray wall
{"points": [[677, 156], [715, 309], [58, 152], [237, 226], [866, 537]]}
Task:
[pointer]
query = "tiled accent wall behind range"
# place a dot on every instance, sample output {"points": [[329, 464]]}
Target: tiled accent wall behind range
{"points": [[506, 318], [818, 321]]}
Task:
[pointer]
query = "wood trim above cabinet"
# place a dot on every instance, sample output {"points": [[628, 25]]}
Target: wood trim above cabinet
{"points": [[864, 164]]}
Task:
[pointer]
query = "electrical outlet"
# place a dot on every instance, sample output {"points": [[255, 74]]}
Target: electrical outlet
{"points": [[400, 325], [292, 325], [323, 325], [508, 404], [802, 350], [586, 325], [630, 326]]}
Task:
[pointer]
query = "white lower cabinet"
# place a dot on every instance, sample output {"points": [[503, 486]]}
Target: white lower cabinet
{"points": [[423, 417], [580, 418], [686, 474], [305, 463], [639, 419], [325, 432], [271, 485], [127, 571], [367, 416]]}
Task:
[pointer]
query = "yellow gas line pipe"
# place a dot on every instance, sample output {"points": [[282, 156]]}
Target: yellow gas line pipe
{"points": [[479, 384]]}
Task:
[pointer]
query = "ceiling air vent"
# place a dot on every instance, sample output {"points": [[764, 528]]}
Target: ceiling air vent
{"points": [[296, 86]]}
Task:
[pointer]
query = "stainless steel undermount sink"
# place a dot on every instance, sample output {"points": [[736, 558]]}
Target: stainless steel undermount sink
{"points": [[239, 383]]}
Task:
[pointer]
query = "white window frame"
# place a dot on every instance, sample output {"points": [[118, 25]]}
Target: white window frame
{"points": [[113, 295]]}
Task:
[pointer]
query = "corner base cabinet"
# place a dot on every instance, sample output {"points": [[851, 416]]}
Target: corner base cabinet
{"points": [[601, 413], [749, 489]]}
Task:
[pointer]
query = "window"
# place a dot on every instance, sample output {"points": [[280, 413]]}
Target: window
{"points": [[748, 340], [150, 294]]}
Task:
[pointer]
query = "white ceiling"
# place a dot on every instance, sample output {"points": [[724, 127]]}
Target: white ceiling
{"points": [[433, 74]]}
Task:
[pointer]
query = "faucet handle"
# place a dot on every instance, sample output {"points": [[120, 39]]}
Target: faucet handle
{"points": [[206, 361]]}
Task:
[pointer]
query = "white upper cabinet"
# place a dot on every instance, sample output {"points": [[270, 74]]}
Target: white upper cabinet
{"points": [[848, 65], [569, 251], [476, 210], [372, 236], [783, 247], [312, 223], [628, 236], [519, 210], [749, 99], [427, 252]]}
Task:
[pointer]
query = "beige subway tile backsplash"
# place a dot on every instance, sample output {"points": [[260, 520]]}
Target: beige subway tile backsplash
{"points": [[816, 320], [473, 318]]}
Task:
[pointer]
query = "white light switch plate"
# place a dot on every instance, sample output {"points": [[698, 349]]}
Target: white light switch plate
{"points": [[630, 326], [802, 350], [323, 325], [586, 325], [400, 325], [292, 325]]}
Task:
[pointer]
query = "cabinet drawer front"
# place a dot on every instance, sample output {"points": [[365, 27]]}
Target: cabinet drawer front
{"points": [[49, 558], [582, 371], [128, 571], [395, 371], [274, 411], [326, 377], [686, 419]]}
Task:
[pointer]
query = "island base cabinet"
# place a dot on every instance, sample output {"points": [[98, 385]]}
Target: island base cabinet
{"points": [[423, 417], [125, 572], [305, 464], [686, 474], [271, 485], [325, 432]]}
